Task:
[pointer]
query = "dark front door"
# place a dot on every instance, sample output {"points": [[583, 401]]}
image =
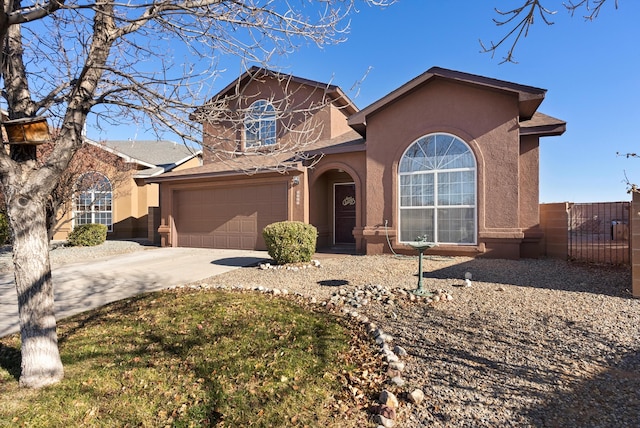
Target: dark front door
{"points": [[345, 213]]}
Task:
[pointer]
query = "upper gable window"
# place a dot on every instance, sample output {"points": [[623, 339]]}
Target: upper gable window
{"points": [[437, 177], [260, 125]]}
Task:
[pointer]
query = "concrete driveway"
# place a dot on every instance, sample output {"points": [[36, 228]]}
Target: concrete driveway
{"points": [[87, 285]]}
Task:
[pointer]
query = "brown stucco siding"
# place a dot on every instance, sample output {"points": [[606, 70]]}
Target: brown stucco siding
{"points": [[339, 123], [313, 118], [219, 141], [529, 196], [332, 169], [486, 120]]}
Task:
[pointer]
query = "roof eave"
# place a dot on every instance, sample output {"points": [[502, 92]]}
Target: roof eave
{"points": [[221, 174], [544, 130], [333, 150]]}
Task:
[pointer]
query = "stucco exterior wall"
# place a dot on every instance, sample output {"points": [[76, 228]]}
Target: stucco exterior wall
{"points": [[529, 166], [487, 121], [332, 169], [338, 123], [314, 118]]}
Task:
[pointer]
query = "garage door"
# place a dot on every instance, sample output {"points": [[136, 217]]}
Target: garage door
{"points": [[230, 217]]}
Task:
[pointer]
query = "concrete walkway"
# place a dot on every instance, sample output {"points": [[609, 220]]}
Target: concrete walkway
{"points": [[87, 285]]}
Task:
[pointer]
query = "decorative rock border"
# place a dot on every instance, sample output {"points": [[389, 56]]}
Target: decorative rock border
{"points": [[384, 413], [346, 302], [292, 266]]}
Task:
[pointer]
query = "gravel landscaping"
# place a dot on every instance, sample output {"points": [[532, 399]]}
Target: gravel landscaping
{"points": [[541, 343], [529, 343]]}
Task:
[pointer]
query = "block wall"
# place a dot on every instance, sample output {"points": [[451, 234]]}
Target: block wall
{"points": [[554, 222]]}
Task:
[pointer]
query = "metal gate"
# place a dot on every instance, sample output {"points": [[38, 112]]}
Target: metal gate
{"points": [[599, 232]]}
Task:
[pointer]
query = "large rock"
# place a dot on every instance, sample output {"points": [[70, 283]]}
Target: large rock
{"points": [[387, 398], [416, 396], [397, 365], [382, 421]]}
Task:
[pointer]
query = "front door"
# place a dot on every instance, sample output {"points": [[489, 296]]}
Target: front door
{"points": [[345, 213]]}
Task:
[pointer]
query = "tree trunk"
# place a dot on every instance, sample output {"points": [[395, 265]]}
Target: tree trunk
{"points": [[41, 363]]}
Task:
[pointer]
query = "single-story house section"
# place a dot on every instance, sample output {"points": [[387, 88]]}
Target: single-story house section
{"points": [[110, 188], [449, 157]]}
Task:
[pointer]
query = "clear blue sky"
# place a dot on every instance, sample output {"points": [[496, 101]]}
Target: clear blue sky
{"points": [[590, 69]]}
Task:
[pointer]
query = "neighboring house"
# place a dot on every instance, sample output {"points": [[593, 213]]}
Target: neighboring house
{"points": [[110, 189], [448, 157]]}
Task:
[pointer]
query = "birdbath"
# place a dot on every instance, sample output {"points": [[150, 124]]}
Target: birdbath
{"points": [[421, 247]]}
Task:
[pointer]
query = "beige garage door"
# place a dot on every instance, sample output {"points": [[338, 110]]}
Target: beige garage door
{"points": [[230, 217]]}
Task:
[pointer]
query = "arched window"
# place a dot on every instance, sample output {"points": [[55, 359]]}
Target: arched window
{"points": [[260, 125], [92, 200], [437, 177]]}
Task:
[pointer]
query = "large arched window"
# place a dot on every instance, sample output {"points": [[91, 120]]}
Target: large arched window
{"points": [[437, 177], [92, 201], [260, 125]]}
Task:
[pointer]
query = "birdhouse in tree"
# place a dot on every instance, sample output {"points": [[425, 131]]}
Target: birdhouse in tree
{"points": [[28, 130]]}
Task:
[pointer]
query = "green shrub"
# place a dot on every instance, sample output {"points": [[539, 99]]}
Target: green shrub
{"points": [[5, 230], [87, 235], [290, 241]]}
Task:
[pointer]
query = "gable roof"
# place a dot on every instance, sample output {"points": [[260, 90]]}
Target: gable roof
{"points": [[157, 156], [334, 92], [529, 97]]}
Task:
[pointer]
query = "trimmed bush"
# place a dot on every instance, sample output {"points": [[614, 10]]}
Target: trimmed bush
{"points": [[88, 235], [5, 231], [290, 241]]}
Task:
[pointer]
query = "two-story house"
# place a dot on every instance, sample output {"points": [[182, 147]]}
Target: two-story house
{"points": [[449, 157]]}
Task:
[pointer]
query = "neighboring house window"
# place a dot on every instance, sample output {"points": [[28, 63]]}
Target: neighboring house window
{"points": [[437, 177], [260, 125], [92, 200]]}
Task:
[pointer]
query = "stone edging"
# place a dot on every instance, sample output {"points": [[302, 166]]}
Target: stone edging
{"points": [[346, 303]]}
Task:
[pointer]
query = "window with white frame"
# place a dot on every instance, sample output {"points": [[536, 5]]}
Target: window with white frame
{"points": [[93, 200], [437, 179], [260, 125]]}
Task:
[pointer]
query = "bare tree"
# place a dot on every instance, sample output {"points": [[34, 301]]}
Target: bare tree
{"points": [[149, 62], [521, 18]]}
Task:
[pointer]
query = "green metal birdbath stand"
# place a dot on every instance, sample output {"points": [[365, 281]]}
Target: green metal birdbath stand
{"points": [[421, 247]]}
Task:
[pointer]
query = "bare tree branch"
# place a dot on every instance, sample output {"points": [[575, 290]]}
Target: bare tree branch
{"points": [[592, 7], [521, 18], [524, 18]]}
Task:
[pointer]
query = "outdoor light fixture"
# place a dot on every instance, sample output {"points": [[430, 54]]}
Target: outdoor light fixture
{"points": [[295, 180]]}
